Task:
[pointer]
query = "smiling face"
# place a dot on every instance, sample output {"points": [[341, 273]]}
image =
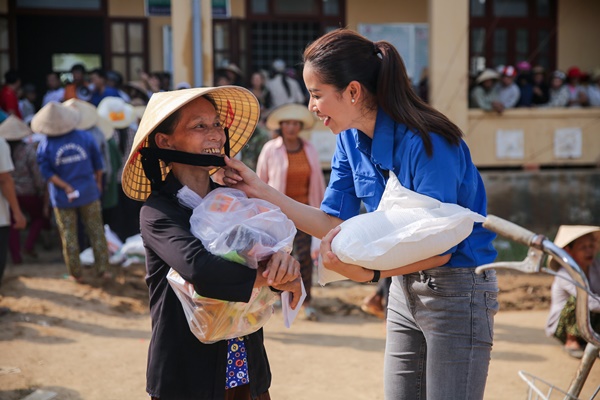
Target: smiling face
{"points": [[330, 105], [198, 130]]}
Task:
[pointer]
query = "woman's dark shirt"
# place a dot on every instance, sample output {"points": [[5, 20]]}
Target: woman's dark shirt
{"points": [[179, 365]]}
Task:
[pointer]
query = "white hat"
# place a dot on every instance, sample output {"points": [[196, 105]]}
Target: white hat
{"points": [[237, 107], [88, 115], [117, 111], [290, 112], [487, 75], [55, 119], [107, 129], [569, 233], [12, 128]]}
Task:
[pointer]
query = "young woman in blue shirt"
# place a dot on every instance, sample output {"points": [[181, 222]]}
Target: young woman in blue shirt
{"points": [[440, 313]]}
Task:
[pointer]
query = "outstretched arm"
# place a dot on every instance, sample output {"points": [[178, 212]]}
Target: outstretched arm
{"points": [[306, 218]]}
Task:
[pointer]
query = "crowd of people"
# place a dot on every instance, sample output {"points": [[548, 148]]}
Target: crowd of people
{"points": [[91, 157], [524, 86]]}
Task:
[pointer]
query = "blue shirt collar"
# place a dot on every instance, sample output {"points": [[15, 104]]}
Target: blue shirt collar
{"points": [[387, 132]]}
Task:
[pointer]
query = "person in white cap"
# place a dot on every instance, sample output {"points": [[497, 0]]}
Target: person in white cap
{"points": [[483, 95], [581, 242], [283, 89]]}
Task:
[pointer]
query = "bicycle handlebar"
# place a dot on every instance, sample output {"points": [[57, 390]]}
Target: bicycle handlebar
{"points": [[533, 263], [508, 229]]}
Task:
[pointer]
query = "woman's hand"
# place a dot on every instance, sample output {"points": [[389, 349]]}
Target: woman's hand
{"points": [[239, 176], [295, 288], [333, 263], [281, 268]]}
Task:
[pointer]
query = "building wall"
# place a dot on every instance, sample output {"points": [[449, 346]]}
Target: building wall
{"points": [[538, 126], [385, 11], [128, 8], [577, 34]]}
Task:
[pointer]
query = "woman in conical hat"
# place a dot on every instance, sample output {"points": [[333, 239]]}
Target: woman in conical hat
{"points": [[582, 243], [30, 186], [72, 164], [181, 140]]}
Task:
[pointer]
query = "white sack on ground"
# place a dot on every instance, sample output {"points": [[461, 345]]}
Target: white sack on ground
{"points": [[406, 227]]}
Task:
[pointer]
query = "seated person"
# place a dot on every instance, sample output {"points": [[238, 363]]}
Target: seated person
{"points": [[483, 95], [559, 94], [581, 242], [506, 89]]}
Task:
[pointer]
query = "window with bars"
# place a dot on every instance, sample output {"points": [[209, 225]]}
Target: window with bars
{"points": [[128, 47], [272, 40], [4, 47], [505, 32]]}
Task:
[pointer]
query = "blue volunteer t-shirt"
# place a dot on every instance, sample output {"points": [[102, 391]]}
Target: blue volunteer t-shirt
{"points": [[358, 173], [75, 158]]}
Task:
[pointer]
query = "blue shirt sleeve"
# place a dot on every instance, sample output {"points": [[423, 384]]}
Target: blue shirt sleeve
{"points": [[43, 162], [340, 198]]}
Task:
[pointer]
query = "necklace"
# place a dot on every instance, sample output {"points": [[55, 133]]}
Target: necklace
{"points": [[296, 150]]}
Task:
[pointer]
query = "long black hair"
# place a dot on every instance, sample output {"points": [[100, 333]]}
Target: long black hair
{"points": [[342, 56]]}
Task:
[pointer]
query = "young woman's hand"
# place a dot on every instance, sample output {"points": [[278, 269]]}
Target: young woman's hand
{"points": [[333, 263], [239, 176], [281, 268]]}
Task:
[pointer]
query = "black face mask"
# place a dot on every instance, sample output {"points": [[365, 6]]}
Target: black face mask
{"points": [[151, 156]]}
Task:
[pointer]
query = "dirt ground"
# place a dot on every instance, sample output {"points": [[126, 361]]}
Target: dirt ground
{"points": [[89, 341]]}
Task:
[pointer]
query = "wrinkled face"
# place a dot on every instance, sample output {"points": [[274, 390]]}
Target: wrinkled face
{"points": [[198, 130], [331, 106], [290, 129], [583, 250]]}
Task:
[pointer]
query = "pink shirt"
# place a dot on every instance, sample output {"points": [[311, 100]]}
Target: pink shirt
{"points": [[272, 167]]}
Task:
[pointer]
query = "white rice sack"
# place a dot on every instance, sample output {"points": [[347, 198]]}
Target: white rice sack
{"points": [[406, 227]]}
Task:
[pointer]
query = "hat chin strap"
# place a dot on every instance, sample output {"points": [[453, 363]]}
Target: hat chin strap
{"points": [[151, 156]]}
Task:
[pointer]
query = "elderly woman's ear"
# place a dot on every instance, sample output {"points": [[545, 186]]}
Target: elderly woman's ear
{"points": [[162, 140]]}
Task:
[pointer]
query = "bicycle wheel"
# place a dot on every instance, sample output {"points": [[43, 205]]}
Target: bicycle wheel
{"points": [[539, 389]]}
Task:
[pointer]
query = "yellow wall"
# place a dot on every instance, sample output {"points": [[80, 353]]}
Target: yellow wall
{"points": [[126, 8], [238, 8], [384, 11], [155, 41], [538, 126], [578, 34]]}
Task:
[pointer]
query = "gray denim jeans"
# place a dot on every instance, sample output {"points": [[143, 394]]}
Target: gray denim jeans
{"points": [[440, 325]]}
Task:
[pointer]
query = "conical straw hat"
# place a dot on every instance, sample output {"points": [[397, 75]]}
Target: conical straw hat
{"points": [[237, 108], [12, 128], [568, 233], [88, 114], [290, 112], [116, 111], [54, 119]]}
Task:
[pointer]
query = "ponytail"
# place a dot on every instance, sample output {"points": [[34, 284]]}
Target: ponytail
{"points": [[342, 56]]}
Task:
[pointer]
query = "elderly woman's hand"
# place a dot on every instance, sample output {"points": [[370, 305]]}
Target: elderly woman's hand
{"points": [[295, 288], [281, 268], [333, 263]]}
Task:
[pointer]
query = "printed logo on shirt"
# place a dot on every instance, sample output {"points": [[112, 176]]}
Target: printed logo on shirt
{"points": [[65, 155]]}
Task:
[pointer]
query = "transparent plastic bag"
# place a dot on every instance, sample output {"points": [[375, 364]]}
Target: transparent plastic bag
{"points": [[237, 228], [211, 320]]}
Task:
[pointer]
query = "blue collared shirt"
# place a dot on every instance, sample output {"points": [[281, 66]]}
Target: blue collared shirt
{"points": [[358, 173]]}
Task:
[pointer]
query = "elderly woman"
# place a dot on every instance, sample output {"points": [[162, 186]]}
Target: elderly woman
{"points": [[291, 165], [182, 137]]}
